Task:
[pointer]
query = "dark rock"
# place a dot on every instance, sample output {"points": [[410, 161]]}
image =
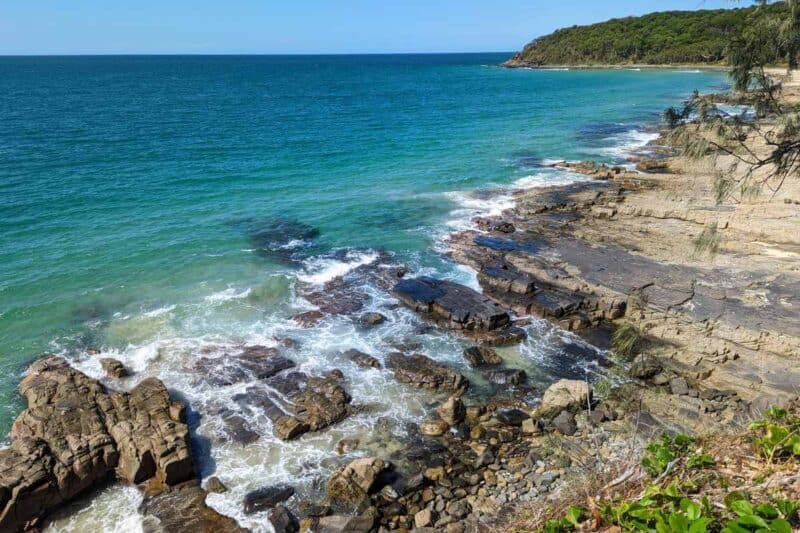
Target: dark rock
{"points": [[114, 368], [507, 376], [282, 520], [183, 508], [645, 367], [565, 423], [511, 417], [423, 372], [506, 280], [457, 306], [215, 485], [478, 356], [308, 319], [263, 362], [362, 359], [237, 429], [266, 498], [372, 319]]}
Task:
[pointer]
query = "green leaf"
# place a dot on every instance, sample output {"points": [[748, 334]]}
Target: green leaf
{"points": [[780, 526], [691, 509], [574, 515], [678, 522], [699, 526], [752, 520], [765, 510], [741, 507]]}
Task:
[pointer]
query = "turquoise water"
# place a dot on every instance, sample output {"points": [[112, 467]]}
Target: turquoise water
{"points": [[152, 205], [123, 178]]}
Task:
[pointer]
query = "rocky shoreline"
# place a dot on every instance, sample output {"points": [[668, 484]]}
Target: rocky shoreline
{"points": [[712, 344]]}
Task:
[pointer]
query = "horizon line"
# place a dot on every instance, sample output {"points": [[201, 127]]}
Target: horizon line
{"points": [[250, 54]]}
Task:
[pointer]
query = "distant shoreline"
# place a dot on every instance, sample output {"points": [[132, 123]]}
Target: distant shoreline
{"points": [[514, 64]]}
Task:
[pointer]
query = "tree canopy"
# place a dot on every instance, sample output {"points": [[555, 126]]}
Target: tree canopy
{"points": [[670, 37]]}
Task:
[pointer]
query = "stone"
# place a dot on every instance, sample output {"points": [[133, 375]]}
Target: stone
{"points": [[507, 376], [679, 386], [456, 306], [434, 428], [458, 509], [530, 427], [511, 417], [266, 498], [565, 423], [566, 394], [74, 434], [478, 356], [308, 319], [371, 319], [353, 482], [423, 372], [452, 411], [424, 518], [238, 430], [645, 367], [183, 508], [346, 446], [362, 359], [215, 485], [346, 524], [282, 520], [114, 368]]}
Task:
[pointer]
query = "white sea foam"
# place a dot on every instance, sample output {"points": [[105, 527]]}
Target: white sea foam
{"points": [[320, 270], [625, 144], [231, 293], [544, 179]]}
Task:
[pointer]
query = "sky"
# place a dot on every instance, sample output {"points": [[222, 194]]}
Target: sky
{"points": [[292, 27]]}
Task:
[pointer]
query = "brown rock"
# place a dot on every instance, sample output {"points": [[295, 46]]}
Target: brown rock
{"points": [[183, 508], [564, 395], [424, 372], [478, 356], [434, 428], [114, 368], [76, 434], [352, 482], [452, 411]]}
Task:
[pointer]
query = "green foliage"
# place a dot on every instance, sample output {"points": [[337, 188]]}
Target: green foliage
{"points": [[626, 340], [570, 522], [764, 517], [662, 509], [778, 436], [701, 37], [669, 450]]}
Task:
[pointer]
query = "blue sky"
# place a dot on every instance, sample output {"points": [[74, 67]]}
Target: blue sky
{"points": [[310, 26]]}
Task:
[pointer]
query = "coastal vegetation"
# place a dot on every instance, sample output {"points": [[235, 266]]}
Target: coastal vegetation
{"points": [[671, 37]]}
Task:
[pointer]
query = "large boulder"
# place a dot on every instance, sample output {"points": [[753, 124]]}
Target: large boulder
{"points": [[452, 411], [75, 434], [455, 306], [423, 372], [266, 498], [564, 395], [352, 482]]}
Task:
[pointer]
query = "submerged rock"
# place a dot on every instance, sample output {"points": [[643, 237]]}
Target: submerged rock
{"points": [[75, 434], [372, 319], [282, 520], [362, 359], [478, 356], [507, 376], [423, 372], [183, 508], [266, 498]]}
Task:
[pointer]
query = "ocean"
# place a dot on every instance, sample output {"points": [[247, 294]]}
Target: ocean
{"points": [[157, 208]]}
